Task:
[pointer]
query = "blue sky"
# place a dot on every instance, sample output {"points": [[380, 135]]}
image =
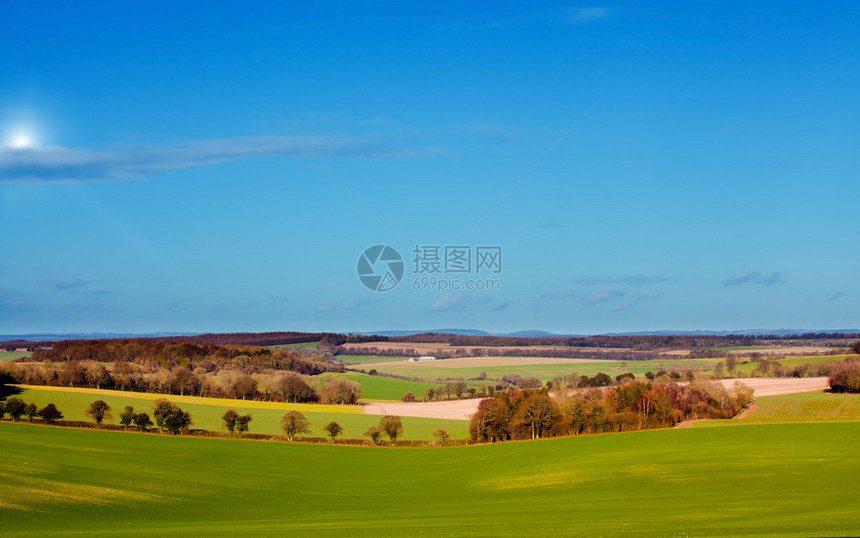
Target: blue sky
{"points": [[221, 168]]}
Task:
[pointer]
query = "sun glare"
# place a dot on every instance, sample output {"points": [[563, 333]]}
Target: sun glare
{"points": [[21, 141]]}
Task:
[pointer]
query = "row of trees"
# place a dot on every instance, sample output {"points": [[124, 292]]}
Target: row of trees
{"points": [[152, 355], [170, 418], [281, 386], [294, 423], [460, 352], [631, 406], [16, 408]]}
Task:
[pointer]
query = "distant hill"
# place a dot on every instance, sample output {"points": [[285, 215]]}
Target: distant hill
{"points": [[547, 334], [86, 336]]}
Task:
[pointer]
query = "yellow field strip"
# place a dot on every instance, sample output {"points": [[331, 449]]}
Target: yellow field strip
{"points": [[199, 400]]}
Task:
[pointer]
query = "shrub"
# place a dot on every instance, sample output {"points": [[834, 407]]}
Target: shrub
{"points": [[845, 376], [50, 413], [374, 434]]}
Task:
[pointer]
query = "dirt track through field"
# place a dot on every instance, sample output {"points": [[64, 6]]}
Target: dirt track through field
{"points": [[463, 409]]}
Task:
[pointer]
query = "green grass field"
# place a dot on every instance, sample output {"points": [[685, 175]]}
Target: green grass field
{"points": [[790, 362], [12, 355], [818, 406], [267, 415], [436, 370], [306, 345], [792, 480], [379, 388], [374, 387], [360, 360]]}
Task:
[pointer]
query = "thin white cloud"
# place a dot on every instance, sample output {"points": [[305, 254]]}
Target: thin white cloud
{"points": [[65, 284], [449, 301], [635, 300], [632, 280], [58, 164], [231, 308], [587, 298], [588, 14], [756, 279], [461, 301], [602, 296], [346, 305]]}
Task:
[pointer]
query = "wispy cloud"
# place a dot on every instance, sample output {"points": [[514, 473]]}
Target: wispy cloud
{"points": [[65, 284], [836, 296], [95, 293], [449, 301], [12, 302], [587, 298], [757, 279], [588, 14], [602, 296], [72, 165], [490, 131], [563, 294], [346, 305], [632, 280], [635, 300], [461, 301], [230, 308]]}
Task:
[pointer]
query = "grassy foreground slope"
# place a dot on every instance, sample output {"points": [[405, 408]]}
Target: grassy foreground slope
{"points": [[803, 407], [206, 412], [788, 479]]}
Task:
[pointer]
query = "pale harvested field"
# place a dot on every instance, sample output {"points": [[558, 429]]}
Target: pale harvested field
{"points": [[477, 362], [464, 409], [776, 350], [453, 409], [777, 386], [798, 350]]}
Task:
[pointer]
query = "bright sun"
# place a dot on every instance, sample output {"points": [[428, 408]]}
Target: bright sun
{"points": [[22, 141]]}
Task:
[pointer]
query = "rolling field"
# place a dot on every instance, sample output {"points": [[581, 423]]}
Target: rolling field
{"points": [[360, 360], [305, 345], [12, 355], [380, 388], [542, 368], [663, 482], [804, 407], [206, 412], [794, 361], [739, 348]]}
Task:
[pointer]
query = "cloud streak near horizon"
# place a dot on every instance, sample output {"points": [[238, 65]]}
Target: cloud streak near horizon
{"points": [[58, 164], [756, 279]]}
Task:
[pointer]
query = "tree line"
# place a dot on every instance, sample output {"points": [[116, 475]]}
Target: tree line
{"points": [[459, 352], [635, 405], [170, 418], [271, 385], [152, 355]]}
